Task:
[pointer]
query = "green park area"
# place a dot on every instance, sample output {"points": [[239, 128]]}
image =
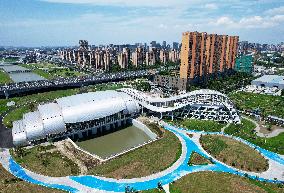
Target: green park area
{"points": [[245, 130], [4, 78], [225, 84], [220, 182], [11, 184], [199, 125], [197, 159], [147, 160], [216, 182], [52, 71], [29, 103], [45, 160], [9, 60], [267, 104], [234, 153]]}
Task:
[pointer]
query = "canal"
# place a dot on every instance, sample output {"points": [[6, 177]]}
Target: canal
{"points": [[16, 76], [114, 143]]}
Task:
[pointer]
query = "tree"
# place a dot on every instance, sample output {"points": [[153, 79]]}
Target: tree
{"points": [[20, 152]]}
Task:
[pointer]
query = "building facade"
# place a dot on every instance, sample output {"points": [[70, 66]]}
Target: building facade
{"points": [[205, 54], [244, 63], [81, 114], [171, 82]]}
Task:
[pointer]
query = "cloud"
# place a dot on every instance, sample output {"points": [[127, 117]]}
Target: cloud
{"points": [[148, 3], [223, 21], [250, 22], [211, 6], [275, 11]]}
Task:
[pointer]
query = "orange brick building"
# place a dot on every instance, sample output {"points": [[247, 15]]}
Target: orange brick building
{"points": [[205, 54]]}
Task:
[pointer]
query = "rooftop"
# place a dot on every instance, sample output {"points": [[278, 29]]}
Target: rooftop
{"points": [[271, 79]]}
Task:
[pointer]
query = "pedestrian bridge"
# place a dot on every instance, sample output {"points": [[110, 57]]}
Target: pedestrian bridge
{"points": [[200, 104]]}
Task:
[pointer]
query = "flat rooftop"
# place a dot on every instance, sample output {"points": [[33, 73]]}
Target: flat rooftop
{"points": [[275, 79]]}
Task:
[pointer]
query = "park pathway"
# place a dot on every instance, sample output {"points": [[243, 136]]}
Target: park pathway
{"points": [[274, 133], [179, 169]]}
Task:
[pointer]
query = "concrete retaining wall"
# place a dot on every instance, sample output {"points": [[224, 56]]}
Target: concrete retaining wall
{"points": [[144, 128]]}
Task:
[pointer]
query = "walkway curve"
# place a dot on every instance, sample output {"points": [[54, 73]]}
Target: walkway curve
{"points": [[178, 170], [274, 133]]}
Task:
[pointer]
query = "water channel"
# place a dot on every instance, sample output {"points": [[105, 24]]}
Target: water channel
{"points": [[14, 71]]}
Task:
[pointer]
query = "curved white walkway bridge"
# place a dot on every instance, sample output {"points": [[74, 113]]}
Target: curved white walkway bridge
{"points": [[200, 104], [179, 169]]}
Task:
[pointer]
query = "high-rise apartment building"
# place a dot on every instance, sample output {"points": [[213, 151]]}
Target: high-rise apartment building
{"points": [[204, 54], [138, 57]]}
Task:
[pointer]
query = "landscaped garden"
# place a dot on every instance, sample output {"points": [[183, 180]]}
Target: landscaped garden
{"points": [[226, 84], [45, 160], [51, 71], [234, 153], [245, 130], [213, 182], [197, 159], [267, 104], [200, 125], [11, 184]]}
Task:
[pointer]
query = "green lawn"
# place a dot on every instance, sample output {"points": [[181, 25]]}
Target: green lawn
{"points": [[147, 160], [11, 60], [234, 153], [4, 78], [11, 184], [52, 71], [269, 105], [45, 160], [246, 131], [197, 159], [15, 115], [212, 182], [200, 125]]}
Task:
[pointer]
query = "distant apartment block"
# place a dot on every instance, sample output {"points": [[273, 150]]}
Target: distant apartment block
{"points": [[102, 58], [205, 54]]}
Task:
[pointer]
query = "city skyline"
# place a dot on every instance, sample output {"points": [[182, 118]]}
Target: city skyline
{"points": [[64, 22]]}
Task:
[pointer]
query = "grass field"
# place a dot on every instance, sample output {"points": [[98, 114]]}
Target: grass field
{"points": [[234, 153], [196, 159], [246, 131], [11, 184], [9, 60], [149, 159], [4, 78], [200, 125], [15, 115], [269, 105], [210, 182], [46, 161], [51, 71]]}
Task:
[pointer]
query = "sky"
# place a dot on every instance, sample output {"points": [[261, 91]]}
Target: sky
{"points": [[65, 22]]}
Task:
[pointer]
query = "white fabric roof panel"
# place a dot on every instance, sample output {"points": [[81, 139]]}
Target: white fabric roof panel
{"points": [[18, 133], [52, 118], [91, 106], [33, 125]]}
